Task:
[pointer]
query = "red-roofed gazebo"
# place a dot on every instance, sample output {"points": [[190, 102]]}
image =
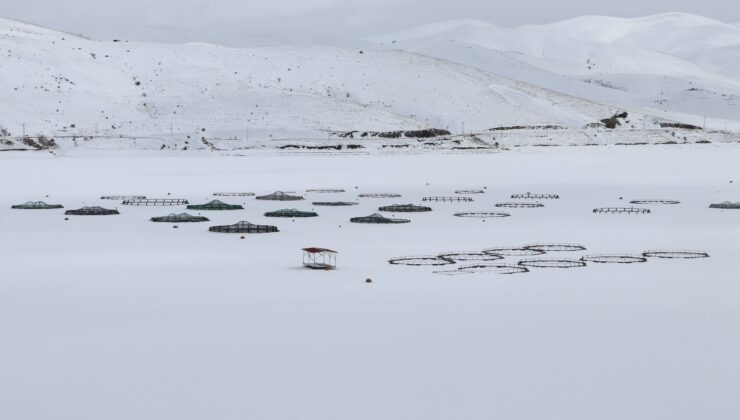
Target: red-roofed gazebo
{"points": [[319, 258]]}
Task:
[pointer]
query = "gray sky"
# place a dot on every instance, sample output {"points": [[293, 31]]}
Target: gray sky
{"points": [[269, 22]]}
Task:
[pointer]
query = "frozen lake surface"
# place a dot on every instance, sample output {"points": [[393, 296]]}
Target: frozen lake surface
{"points": [[116, 317]]}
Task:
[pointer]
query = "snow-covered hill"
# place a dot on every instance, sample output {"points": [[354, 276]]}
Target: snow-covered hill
{"points": [[59, 83], [678, 65]]}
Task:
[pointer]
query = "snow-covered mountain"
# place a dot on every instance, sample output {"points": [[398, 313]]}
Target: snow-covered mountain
{"points": [[56, 83], [679, 65]]}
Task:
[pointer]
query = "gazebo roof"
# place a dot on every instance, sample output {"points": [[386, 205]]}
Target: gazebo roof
{"points": [[319, 250]]}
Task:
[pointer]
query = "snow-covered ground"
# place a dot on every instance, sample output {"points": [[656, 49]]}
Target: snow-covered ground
{"points": [[116, 317]]}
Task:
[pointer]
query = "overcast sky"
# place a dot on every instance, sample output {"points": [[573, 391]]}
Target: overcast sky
{"points": [[270, 22]]}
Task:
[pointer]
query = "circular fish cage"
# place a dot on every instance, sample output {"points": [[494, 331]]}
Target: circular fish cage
{"points": [[555, 247], [123, 197], [725, 205], [448, 199], [513, 251], [334, 203], [530, 196], [651, 201], [675, 254], [405, 208], [452, 272], [291, 213], [520, 205], [614, 259], [156, 202], [469, 256], [325, 190], [233, 194], [421, 261], [547, 263], [378, 219], [467, 192], [91, 211], [36, 205], [482, 214], [494, 268], [380, 195], [621, 210]]}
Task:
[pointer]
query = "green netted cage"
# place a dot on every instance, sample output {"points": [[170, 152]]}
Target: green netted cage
{"points": [[405, 208], [280, 196], [334, 203], [91, 211], [179, 218], [156, 202], [725, 205], [215, 205], [378, 219], [290, 213], [243, 227], [37, 205]]}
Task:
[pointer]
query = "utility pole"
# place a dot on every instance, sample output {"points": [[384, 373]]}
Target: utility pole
{"points": [[463, 128], [24, 129]]}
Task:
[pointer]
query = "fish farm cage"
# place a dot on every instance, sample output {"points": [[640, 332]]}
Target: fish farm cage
{"points": [[179, 218], [378, 219], [675, 254], [279, 196], [92, 211], [448, 199], [493, 268], [233, 194], [614, 259], [123, 197], [430, 261], [651, 201], [555, 247], [380, 195], [325, 190], [243, 227], [725, 205], [36, 205], [215, 205], [155, 202], [520, 205], [334, 203], [621, 210], [405, 208], [469, 192], [548, 263], [513, 251], [469, 256], [482, 214], [530, 196], [290, 213]]}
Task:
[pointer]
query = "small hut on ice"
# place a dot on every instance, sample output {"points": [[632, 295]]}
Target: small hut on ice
{"points": [[319, 258]]}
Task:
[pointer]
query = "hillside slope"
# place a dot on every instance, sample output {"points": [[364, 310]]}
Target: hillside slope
{"points": [[677, 65], [59, 83]]}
